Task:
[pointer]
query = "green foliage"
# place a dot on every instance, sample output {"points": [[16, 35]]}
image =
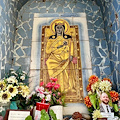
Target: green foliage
{"points": [[32, 101], [57, 97], [28, 117], [44, 115], [53, 115]]}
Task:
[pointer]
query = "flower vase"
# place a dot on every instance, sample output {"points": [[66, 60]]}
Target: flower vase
{"points": [[58, 110], [13, 105]]}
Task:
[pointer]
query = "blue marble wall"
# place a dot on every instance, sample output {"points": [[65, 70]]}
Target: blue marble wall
{"points": [[8, 15], [111, 16]]}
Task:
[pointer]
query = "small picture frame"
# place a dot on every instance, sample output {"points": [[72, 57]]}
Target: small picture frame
{"points": [[21, 114]]}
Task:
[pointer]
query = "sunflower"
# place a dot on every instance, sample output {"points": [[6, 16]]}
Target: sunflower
{"points": [[25, 91], [19, 88], [2, 85], [12, 90], [5, 97]]}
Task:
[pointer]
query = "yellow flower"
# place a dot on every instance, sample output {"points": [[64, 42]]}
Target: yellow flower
{"points": [[19, 88], [2, 85], [96, 114], [25, 91], [95, 86], [5, 97], [12, 90]]}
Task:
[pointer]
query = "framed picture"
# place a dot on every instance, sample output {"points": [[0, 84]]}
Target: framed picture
{"points": [[17, 114]]}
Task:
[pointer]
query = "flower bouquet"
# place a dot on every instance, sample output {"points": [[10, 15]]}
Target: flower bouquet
{"points": [[50, 93], [95, 88], [14, 88], [39, 94], [57, 97]]}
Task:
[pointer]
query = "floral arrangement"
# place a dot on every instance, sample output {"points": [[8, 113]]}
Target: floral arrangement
{"points": [[57, 97], [39, 94], [94, 88], [14, 88], [50, 93]]}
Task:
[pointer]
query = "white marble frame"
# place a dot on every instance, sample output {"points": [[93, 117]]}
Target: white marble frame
{"points": [[36, 47]]}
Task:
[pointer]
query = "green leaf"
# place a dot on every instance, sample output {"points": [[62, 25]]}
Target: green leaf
{"points": [[115, 106], [28, 118], [93, 99]]}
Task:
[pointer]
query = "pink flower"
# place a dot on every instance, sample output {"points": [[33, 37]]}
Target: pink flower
{"points": [[53, 79], [39, 89], [41, 83], [53, 84], [58, 93], [53, 94], [56, 86], [49, 86]]}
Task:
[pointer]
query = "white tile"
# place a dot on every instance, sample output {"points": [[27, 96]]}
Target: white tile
{"points": [[35, 55], [34, 79], [85, 54], [86, 73]]}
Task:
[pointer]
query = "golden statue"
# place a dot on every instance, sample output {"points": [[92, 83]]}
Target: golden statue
{"points": [[61, 56]]}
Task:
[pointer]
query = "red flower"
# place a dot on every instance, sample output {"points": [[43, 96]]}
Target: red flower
{"points": [[41, 84], [56, 86], [106, 79], [93, 79], [89, 87], [49, 86], [87, 102], [114, 95], [53, 79]]}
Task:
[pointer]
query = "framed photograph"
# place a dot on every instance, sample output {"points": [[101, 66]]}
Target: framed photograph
{"points": [[17, 114]]}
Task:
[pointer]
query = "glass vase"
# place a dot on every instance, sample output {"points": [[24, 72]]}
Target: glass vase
{"points": [[13, 105]]}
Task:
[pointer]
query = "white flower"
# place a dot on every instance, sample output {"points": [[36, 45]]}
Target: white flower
{"points": [[48, 97], [105, 86], [95, 86], [41, 95], [22, 77], [96, 114], [39, 89], [11, 79], [2, 109], [13, 72], [24, 72]]}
